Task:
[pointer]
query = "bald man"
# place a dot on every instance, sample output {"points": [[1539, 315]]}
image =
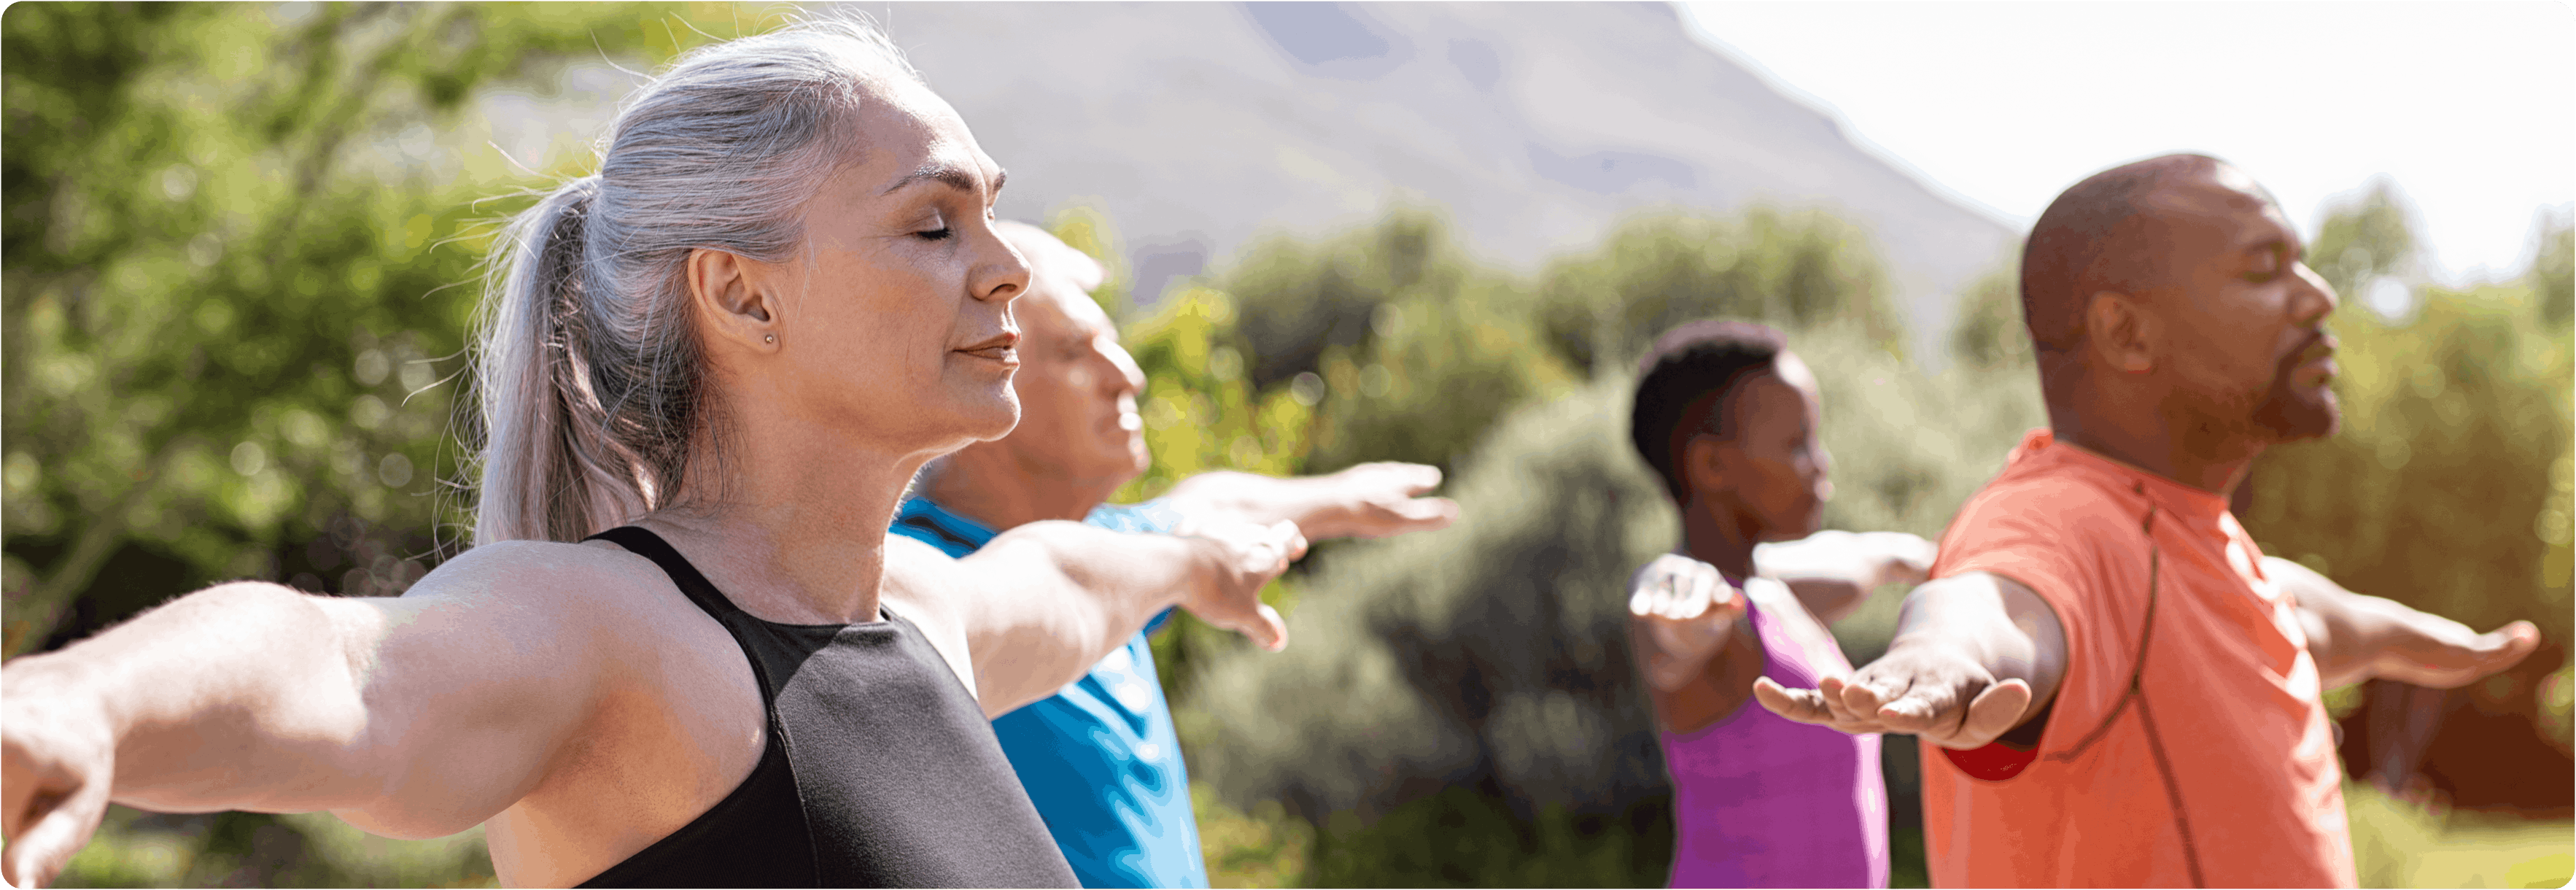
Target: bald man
{"points": [[2119, 689], [1100, 758]]}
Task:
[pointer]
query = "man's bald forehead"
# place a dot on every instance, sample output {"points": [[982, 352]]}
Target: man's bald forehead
{"points": [[2101, 234], [1050, 257], [1058, 303]]}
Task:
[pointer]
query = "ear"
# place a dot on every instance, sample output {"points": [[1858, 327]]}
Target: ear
{"points": [[731, 294], [2122, 333], [1703, 466]]}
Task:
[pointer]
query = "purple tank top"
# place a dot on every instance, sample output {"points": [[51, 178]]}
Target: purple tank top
{"points": [[1763, 801]]}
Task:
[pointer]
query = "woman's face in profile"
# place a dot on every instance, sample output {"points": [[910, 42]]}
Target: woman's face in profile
{"points": [[899, 326]]}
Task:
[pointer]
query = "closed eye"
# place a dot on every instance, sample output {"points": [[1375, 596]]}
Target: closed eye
{"points": [[942, 233]]}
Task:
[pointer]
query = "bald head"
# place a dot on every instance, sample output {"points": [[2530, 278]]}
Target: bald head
{"points": [[2168, 300], [1057, 271], [2095, 237]]}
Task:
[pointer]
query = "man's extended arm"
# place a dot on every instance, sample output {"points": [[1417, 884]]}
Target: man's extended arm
{"points": [[2355, 637], [1371, 500]]}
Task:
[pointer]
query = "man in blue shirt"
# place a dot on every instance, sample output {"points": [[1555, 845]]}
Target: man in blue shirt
{"points": [[1100, 758]]}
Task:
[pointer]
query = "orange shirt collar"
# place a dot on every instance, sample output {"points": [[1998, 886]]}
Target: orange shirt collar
{"points": [[2183, 500]]}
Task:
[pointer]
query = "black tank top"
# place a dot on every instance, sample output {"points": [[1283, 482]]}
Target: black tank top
{"points": [[879, 769]]}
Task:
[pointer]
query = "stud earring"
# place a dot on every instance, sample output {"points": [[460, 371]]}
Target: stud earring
{"points": [[769, 338]]}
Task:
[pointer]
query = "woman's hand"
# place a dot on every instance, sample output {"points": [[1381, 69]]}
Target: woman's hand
{"points": [[57, 763], [1245, 557], [1682, 610]]}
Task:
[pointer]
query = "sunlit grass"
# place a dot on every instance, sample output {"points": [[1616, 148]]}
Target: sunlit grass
{"points": [[2400, 844]]}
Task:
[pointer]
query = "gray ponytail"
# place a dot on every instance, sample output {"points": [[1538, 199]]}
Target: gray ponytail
{"points": [[592, 380]]}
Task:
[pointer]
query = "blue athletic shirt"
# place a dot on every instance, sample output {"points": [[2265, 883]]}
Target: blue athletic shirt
{"points": [[1099, 758]]}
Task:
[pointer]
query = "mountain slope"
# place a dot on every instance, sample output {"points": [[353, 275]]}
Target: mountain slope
{"points": [[1537, 125]]}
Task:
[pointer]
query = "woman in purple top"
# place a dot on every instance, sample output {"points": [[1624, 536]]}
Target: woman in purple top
{"points": [[1729, 418]]}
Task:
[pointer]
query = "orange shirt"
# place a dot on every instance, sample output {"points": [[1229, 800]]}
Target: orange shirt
{"points": [[2219, 771]]}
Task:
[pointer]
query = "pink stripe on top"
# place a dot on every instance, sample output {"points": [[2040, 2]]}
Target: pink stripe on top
{"points": [[1763, 801]]}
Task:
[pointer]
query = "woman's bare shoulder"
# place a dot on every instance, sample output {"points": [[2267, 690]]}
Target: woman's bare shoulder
{"points": [[543, 574]]}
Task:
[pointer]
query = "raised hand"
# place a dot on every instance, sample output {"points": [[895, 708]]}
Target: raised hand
{"points": [[1248, 556], [1683, 609], [57, 762], [1377, 500]]}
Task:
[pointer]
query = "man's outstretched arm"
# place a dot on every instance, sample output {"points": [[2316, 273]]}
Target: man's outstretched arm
{"points": [[1372, 500], [2355, 637], [1975, 655]]}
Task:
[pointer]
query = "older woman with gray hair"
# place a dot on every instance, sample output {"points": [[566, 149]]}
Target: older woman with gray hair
{"points": [[683, 651]]}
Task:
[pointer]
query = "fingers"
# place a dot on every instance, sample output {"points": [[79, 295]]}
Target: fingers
{"points": [[1412, 479], [1292, 541], [56, 823], [2453, 664], [1802, 705], [1991, 714], [1268, 630], [1426, 514]]}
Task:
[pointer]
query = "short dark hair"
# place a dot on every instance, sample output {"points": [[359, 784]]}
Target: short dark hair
{"points": [[1686, 380], [2084, 243]]}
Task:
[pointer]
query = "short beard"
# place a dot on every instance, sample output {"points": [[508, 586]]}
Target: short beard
{"points": [[2289, 415]]}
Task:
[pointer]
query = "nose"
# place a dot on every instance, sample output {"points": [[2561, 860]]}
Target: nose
{"points": [[2315, 298], [1000, 273], [1129, 374]]}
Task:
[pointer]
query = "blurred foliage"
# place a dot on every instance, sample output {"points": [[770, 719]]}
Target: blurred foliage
{"points": [[239, 250], [1263, 848], [139, 849], [1990, 331], [1791, 270], [2401, 844], [1408, 350]]}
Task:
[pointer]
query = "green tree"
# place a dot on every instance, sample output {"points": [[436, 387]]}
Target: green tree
{"points": [[237, 261], [1990, 331], [1658, 270], [2363, 241]]}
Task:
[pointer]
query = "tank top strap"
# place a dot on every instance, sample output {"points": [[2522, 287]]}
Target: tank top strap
{"points": [[643, 542], [736, 622]]}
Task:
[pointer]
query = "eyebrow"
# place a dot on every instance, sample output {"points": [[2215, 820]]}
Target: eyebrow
{"points": [[954, 176]]}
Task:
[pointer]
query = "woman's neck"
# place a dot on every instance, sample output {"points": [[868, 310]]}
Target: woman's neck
{"points": [[792, 535], [1712, 535]]}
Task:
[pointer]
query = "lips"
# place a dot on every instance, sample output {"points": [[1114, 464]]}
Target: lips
{"points": [[2316, 358], [1002, 347]]}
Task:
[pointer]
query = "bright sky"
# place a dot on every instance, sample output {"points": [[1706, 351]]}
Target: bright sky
{"points": [[2470, 108]]}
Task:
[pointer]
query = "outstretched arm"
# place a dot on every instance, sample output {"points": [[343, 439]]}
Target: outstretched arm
{"points": [[1975, 655], [1042, 603], [1832, 572], [2355, 637], [416, 716], [1372, 500]]}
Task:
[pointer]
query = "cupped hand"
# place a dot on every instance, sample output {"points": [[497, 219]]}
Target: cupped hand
{"points": [[57, 761], [2445, 654], [1245, 557], [1384, 499], [1930, 691], [1684, 605]]}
